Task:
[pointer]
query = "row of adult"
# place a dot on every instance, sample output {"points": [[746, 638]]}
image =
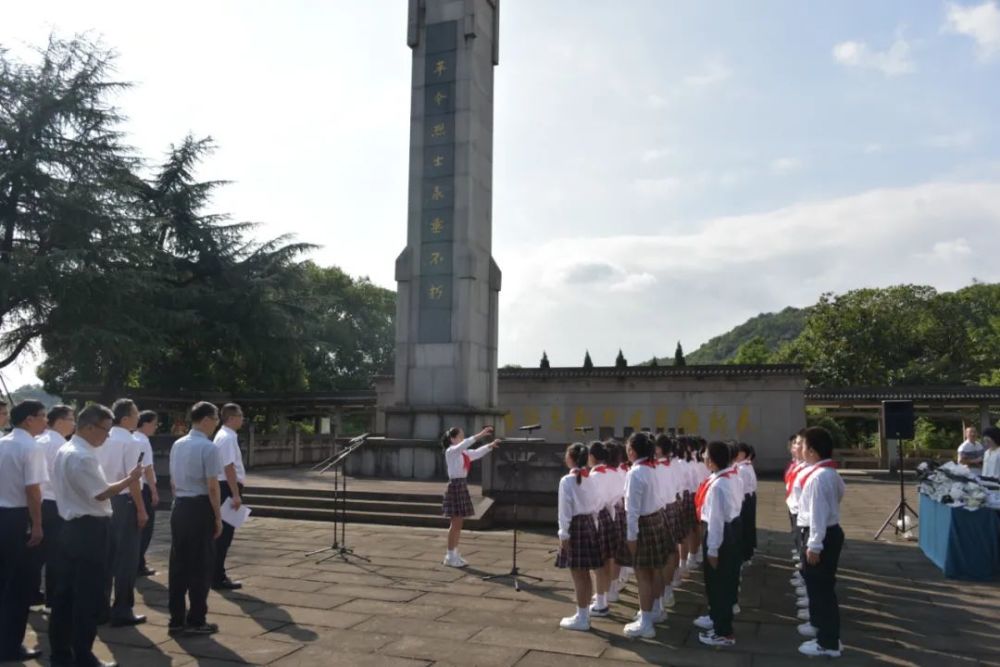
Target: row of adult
{"points": [[78, 498]]}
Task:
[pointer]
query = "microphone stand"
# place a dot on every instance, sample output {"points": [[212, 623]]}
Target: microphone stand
{"points": [[515, 574], [339, 548]]}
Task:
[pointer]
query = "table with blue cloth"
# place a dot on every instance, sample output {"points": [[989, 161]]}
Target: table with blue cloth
{"points": [[964, 544]]}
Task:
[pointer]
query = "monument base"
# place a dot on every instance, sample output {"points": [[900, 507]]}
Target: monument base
{"points": [[429, 422]]}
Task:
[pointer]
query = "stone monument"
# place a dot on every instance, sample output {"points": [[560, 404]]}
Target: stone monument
{"points": [[448, 283]]}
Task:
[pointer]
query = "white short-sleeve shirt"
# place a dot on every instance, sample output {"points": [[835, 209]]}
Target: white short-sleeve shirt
{"points": [[119, 454], [50, 442], [78, 480], [22, 464], [228, 445]]}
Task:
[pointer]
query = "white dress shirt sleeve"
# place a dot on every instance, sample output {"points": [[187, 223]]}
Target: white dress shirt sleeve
{"points": [[36, 469], [462, 446], [478, 453], [715, 499], [635, 491], [821, 497], [566, 505]]}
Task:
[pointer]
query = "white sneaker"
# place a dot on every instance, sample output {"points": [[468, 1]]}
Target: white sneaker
{"points": [[454, 561], [704, 622], [709, 638], [669, 601], [692, 562], [736, 609], [797, 580], [808, 630], [803, 614], [575, 622], [813, 649], [637, 629], [660, 616], [635, 618], [802, 603], [801, 592], [461, 561], [596, 611]]}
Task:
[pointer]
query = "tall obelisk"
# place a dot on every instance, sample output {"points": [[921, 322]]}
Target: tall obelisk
{"points": [[448, 283]]}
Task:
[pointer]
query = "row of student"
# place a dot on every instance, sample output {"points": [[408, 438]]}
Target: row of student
{"points": [[59, 512], [813, 493], [656, 512]]}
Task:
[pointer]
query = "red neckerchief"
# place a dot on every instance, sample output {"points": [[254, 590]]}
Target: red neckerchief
{"points": [[828, 463], [663, 462], [583, 472], [466, 462], [790, 476], [649, 463], [599, 469], [625, 466], [699, 497]]}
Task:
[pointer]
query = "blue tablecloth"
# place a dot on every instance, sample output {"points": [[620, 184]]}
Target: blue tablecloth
{"points": [[964, 544]]}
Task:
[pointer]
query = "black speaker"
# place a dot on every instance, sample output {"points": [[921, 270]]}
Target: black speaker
{"points": [[898, 418]]}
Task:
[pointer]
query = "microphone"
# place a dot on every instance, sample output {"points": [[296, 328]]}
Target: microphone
{"points": [[530, 427]]}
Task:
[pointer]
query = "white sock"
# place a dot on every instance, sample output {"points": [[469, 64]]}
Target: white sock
{"points": [[583, 612], [452, 553], [645, 617], [657, 606], [602, 600]]}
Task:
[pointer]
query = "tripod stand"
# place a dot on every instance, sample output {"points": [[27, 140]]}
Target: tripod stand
{"points": [[899, 513], [515, 575], [339, 548]]}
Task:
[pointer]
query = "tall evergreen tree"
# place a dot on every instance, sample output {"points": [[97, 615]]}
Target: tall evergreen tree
{"points": [[620, 361], [545, 360], [679, 355], [587, 363]]}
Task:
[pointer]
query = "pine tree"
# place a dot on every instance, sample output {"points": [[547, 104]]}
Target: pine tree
{"points": [[587, 363], [545, 360], [620, 361], [654, 363], [679, 355]]}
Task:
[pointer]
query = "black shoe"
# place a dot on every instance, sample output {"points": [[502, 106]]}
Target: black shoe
{"points": [[176, 630], [23, 654], [37, 600], [227, 585], [203, 629], [127, 622], [146, 572]]}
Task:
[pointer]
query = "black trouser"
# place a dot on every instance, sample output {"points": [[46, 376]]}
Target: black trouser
{"points": [[192, 524], [722, 582], [796, 533], [225, 540], [748, 517], [15, 583], [821, 580], [78, 600], [41, 555], [147, 533], [124, 559]]}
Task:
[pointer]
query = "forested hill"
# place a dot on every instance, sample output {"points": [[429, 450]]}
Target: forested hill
{"points": [[775, 329]]}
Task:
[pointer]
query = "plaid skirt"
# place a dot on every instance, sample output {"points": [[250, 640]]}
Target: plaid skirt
{"points": [[583, 550], [608, 537], [653, 544], [689, 517], [457, 501], [673, 520]]}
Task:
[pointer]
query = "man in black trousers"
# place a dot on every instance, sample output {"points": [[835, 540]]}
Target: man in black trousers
{"points": [[148, 422], [22, 472], [195, 522], [84, 499], [231, 483]]}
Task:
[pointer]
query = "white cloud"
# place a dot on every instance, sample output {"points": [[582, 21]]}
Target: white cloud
{"points": [[891, 62], [657, 101], [714, 71], [980, 22], [784, 165], [650, 290], [872, 148], [655, 154], [950, 140], [668, 186], [947, 251]]}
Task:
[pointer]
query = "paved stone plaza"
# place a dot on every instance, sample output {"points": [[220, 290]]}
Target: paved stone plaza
{"points": [[405, 609]]}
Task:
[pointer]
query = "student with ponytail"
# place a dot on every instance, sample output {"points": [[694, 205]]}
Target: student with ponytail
{"points": [[579, 502], [457, 501], [605, 481]]}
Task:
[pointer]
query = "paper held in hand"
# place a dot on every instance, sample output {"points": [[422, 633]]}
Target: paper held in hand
{"points": [[234, 518]]}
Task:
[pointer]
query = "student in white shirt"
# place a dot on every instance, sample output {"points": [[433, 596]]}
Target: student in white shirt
{"points": [[668, 482], [795, 466], [146, 427], [22, 472], [61, 424], [83, 496], [970, 452], [819, 522], [745, 456], [645, 534], [231, 483], [605, 480], [718, 504], [579, 503], [457, 502], [991, 457]]}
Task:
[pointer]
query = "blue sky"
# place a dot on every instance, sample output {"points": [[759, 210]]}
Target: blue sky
{"points": [[663, 170]]}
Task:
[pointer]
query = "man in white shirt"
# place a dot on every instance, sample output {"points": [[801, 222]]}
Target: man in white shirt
{"points": [[970, 452], [991, 457], [61, 423], [22, 472], [79, 558], [146, 427], [231, 485], [119, 454]]}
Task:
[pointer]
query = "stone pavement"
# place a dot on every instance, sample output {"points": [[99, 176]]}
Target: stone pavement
{"points": [[405, 609]]}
